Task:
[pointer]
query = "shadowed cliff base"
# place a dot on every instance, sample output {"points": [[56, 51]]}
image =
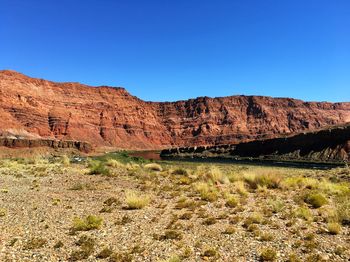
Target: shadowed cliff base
{"points": [[327, 145]]}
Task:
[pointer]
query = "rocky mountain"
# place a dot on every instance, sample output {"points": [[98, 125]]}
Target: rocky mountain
{"points": [[107, 116]]}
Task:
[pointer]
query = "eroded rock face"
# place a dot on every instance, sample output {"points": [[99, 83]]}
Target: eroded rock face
{"points": [[106, 116]]}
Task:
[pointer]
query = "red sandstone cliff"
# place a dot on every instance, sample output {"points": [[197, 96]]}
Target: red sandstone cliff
{"points": [[112, 117]]}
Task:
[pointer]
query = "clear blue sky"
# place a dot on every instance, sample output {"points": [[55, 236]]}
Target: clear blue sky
{"points": [[166, 50]]}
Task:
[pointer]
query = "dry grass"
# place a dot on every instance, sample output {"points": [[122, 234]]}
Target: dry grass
{"points": [[153, 167], [135, 200]]}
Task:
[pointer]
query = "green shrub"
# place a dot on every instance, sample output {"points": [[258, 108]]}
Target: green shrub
{"points": [[316, 200], [343, 210], [98, 168], [231, 201], [90, 222], [206, 192], [303, 212], [114, 163]]}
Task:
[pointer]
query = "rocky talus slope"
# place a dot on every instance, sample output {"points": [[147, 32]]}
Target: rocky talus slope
{"points": [[106, 116]]}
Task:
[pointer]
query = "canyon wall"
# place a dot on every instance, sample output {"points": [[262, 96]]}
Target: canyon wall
{"points": [[106, 116]]}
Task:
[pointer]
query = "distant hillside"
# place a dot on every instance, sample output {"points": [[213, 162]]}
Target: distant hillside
{"points": [[106, 116]]}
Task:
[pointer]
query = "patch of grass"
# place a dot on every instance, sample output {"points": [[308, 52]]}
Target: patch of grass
{"points": [[88, 223], [276, 206], [334, 228], [266, 236], [209, 221], [206, 192], [316, 200], [270, 179], [229, 230], [240, 188], [186, 203], [255, 218], [268, 254], [136, 201], [114, 163], [304, 213], [215, 175], [35, 243], [343, 210], [231, 201], [98, 168], [153, 167]]}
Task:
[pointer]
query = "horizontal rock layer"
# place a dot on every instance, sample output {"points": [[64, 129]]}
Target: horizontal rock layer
{"points": [[106, 116], [51, 143]]}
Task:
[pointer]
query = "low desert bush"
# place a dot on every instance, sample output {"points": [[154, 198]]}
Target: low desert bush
{"points": [[268, 254], [269, 179], [215, 175], [316, 200], [172, 234], [35, 243], [87, 245], [206, 192], [114, 163], [229, 230], [88, 223], [136, 201], [239, 186], [304, 213], [276, 205], [334, 228], [343, 209], [231, 201], [98, 168]]}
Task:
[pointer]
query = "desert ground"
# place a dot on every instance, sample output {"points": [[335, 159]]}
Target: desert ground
{"points": [[121, 208]]}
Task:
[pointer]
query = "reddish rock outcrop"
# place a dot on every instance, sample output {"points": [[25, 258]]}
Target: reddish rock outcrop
{"points": [[106, 116]]}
